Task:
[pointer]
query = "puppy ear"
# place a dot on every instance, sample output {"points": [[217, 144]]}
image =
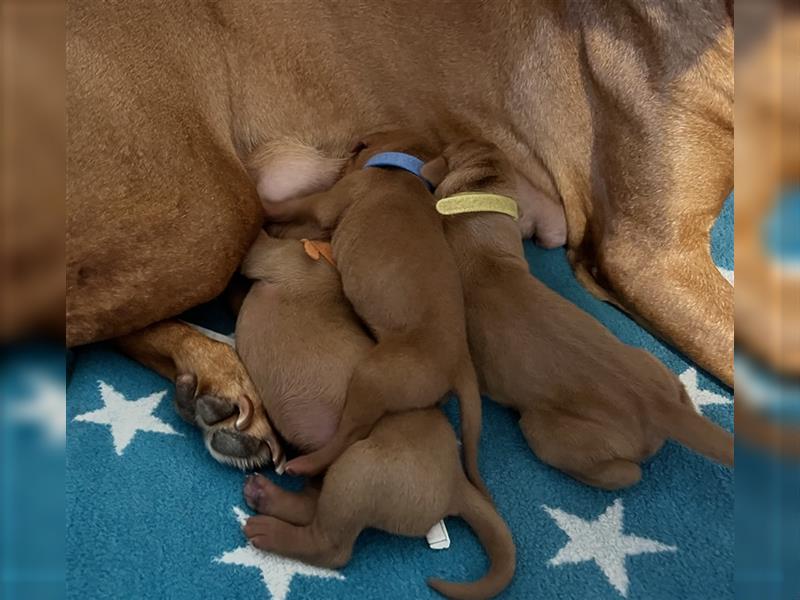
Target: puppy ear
{"points": [[373, 139], [435, 170]]}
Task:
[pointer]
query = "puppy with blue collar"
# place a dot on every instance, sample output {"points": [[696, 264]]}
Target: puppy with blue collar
{"points": [[402, 280]]}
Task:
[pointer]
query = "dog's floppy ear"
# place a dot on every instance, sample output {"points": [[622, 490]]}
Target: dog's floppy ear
{"points": [[435, 170]]}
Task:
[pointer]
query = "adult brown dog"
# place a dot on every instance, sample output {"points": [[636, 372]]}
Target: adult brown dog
{"points": [[589, 404], [620, 111]]}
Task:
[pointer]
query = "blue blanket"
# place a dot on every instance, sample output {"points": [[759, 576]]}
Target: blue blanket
{"points": [[151, 515]]}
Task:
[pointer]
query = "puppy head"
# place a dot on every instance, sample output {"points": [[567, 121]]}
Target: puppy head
{"points": [[471, 166], [290, 262]]}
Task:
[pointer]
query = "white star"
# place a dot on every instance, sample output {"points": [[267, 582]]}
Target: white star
{"points": [[46, 405], [603, 542], [700, 398], [727, 274], [276, 571], [127, 417]]}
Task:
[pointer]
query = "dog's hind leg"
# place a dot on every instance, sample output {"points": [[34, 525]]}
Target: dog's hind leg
{"points": [[306, 543], [614, 474], [379, 385], [340, 512], [668, 281], [581, 449], [661, 167], [267, 498], [651, 241]]}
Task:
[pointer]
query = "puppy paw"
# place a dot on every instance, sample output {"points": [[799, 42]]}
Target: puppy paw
{"points": [[258, 493], [309, 465], [261, 531]]}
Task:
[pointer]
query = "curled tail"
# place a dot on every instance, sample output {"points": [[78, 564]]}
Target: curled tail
{"points": [[469, 402], [495, 537], [680, 422]]}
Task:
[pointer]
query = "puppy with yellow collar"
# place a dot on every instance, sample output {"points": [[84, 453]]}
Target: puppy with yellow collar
{"points": [[589, 405]]}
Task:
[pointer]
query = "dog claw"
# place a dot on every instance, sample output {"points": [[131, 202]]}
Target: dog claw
{"points": [[276, 452], [245, 414], [185, 390]]}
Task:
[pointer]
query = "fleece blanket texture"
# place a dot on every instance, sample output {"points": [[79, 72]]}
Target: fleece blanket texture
{"points": [[151, 515]]}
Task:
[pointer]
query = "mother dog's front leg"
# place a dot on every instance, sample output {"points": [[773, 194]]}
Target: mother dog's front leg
{"points": [[213, 390]]}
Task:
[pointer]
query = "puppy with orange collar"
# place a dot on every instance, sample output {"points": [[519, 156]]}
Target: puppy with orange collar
{"points": [[297, 282], [301, 341]]}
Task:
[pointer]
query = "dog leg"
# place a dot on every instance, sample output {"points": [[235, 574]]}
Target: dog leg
{"points": [[379, 385], [267, 498], [304, 543], [583, 450], [213, 390], [671, 284], [610, 475], [661, 167]]}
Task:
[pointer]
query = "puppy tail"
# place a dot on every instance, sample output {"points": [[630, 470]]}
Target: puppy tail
{"points": [[482, 517], [469, 402], [686, 426]]}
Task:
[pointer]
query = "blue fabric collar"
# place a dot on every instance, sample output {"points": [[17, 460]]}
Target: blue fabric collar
{"points": [[399, 160]]}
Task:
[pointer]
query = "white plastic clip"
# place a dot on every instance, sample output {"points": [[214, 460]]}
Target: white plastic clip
{"points": [[438, 538]]}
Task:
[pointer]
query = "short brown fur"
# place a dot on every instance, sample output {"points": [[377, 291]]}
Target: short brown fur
{"points": [[399, 275], [301, 342], [589, 404]]}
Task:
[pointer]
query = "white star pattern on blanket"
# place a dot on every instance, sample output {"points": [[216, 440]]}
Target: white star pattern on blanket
{"points": [[727, 274], [127, 417], [700, 398], [603, 542], [45, 406], [276, 571]]}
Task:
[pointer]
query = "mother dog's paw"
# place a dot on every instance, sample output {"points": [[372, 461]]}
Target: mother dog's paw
{"points": [[235, 429]]}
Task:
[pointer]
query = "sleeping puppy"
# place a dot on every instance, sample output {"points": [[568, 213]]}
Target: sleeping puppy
{"points": [[398, 273], [590, 405], [301, 341], [298, 337]]}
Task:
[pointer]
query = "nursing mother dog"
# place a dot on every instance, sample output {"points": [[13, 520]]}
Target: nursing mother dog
{"points": [[617, 113]]}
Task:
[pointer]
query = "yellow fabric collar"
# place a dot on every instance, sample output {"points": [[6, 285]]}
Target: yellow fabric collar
{"points": [[467, 202]]}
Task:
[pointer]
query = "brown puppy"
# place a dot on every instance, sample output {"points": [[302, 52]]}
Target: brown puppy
{"points": [[589, 404], [402, 479], [301, 341], [399, 275]]}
